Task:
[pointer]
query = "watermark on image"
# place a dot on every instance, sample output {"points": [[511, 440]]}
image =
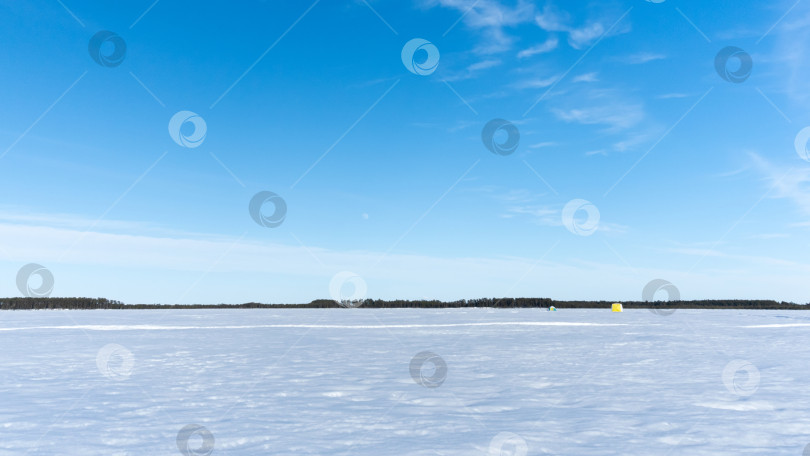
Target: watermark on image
{"points": [[741, 378], [652, 288], [115, 362], [27, 277], [580, 227], [500, 136], [179, 125], [420, 56], [733, 64], [264, 199], [508, 444], [107, 48], [802, 144], [195, 440], [348, 289], [428, 369]]}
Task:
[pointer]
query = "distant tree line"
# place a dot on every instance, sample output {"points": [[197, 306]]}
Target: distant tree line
{"points": [[479, 302], [103, 303], [59, 303], [511, 303], [696, 304]]}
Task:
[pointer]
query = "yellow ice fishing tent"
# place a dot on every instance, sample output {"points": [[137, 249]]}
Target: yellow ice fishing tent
{"points": [[616, 307]]}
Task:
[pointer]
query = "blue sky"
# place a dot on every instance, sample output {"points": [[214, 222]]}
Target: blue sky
{"points": [[696, 180]]}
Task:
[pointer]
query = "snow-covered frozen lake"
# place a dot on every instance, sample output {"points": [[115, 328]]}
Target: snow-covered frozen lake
{"points": [[346, 382]]}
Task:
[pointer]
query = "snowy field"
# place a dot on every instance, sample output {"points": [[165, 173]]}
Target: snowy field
{"points": [[345, 382]]}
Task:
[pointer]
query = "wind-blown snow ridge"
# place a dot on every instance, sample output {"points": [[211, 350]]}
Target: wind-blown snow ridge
{"points": [[305, 326], [779, 325]]}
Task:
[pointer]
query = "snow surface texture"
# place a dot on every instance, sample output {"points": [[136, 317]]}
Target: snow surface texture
{"points": [[404, 382]]}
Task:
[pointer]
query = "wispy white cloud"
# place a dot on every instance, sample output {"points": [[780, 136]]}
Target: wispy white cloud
{"points": [[536, 83], [490, 13], [732, 172], [455, 127], [552, 19], [483, 65], [767, 236], [491, 18], [541, 145], [462, 125], [583, 36], [168, 269], [791, 52], [754, 259], [549, 45], [619, 118], [542, 215], [635, 139], [147, 269], [10, 214], [587, 77], [494, 19], [668, 96], [642, 57], [614, 116], [472, 70], [792, 184], [524, 204]]}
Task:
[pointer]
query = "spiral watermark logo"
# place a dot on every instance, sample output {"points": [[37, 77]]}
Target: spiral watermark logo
{"points": [[428, 369], [115, 362], [806, 451], [259, 205], [504, 145], [577, 226], [725, 66], [653, 287], [205, 440], [420, 56], [340, 293], [802, 144], [508, 444], [107, 48], [741, 378], [24, 281], [184, 120]]}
